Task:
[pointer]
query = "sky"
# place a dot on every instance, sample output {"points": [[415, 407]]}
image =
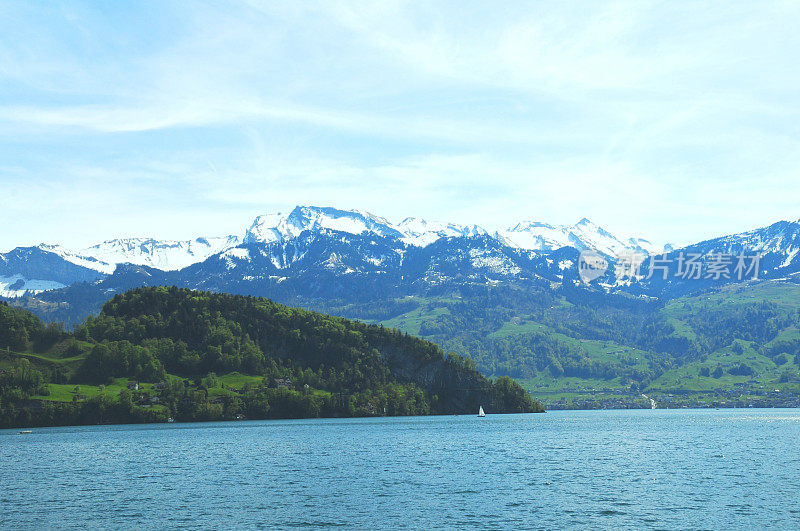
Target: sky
{"points": [[673, 121]]}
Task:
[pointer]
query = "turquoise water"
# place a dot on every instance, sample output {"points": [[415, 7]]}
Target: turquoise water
{"points": [[717, 469]]}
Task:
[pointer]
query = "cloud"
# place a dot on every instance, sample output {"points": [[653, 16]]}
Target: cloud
{"points": [[675, 121]]}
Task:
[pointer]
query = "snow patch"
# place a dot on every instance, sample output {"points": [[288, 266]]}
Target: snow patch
{"points": [[790, 255], [17, 286], [483, 259]]}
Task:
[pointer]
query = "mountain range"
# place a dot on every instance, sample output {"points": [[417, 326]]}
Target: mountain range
{"points": [[323, 253], [30, 270]]}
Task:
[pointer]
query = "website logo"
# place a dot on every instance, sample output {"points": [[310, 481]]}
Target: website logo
{"points": [[591, 265]]}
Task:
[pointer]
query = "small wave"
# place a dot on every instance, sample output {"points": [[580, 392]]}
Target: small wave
{"points": [[315, 524]]}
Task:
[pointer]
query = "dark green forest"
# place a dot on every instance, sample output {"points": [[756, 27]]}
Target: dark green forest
{"points": [[191, 356]]}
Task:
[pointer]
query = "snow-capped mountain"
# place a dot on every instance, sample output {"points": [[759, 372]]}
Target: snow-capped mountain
{"points": [[31, 270], [782, 237], [279, 227], [778, 246], [167, 255], [286, 238], [420, 233], [323, 252], [538, 236], [79, 258], [768, 253], [417, 232]]}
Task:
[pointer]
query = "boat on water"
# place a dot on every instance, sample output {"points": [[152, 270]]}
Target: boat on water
{"points": [[170, 420], [480, 411], [25, 431]]}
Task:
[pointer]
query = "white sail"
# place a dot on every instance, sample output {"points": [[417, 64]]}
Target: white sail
{"points": [[480, 411]]}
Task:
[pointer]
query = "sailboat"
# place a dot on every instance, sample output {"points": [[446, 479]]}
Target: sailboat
{"points": [[480, 411]]}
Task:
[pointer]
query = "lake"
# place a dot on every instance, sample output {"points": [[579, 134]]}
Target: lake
{"points": [[638, 469]]}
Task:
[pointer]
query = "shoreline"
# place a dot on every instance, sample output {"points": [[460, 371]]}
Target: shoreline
{"points": [[183, 422], [16, 429]]}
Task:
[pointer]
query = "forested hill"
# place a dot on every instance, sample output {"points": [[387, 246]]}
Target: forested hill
{"points": [[206, 356]]}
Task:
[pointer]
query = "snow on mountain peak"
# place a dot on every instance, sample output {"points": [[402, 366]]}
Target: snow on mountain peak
{"points": [[352, 221], [780, 237], [170, 255], [529, 235], [79, 259], [411, 231], [585, 234], [420, 233], [528, 225], [268, 228], [166, 255], [279, 227]]}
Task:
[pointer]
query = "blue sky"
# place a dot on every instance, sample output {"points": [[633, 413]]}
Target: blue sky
{"points": [[674, 121]]}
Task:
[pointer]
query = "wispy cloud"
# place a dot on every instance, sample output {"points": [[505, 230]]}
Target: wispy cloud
{"points": [[675, 119]]}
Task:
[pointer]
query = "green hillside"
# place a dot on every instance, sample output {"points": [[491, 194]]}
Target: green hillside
{"points": [[572, 348], [204, 356], [738, 346]]}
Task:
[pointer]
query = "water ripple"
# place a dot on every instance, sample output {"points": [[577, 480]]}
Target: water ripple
{"points": [[621, 469]]}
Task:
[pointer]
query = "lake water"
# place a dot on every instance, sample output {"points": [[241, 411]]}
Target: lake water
{"points": [[717, 469]]}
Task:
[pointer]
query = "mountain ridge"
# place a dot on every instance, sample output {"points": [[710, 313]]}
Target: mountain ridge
{"points": [[324, 252], [175, 255], [278, 226]]}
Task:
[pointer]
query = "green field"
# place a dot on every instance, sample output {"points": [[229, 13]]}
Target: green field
{"points": [[68, 392], [237, 381], [412, 321]]}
